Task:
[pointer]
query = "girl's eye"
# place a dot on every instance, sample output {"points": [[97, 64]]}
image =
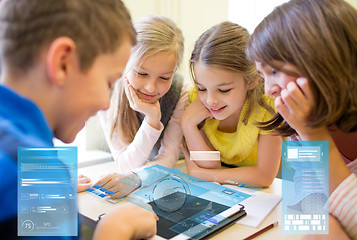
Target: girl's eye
{"points": [[225, 91], [164, 78], [142, 74], [201, 89], [260, 74], [274, 71]]}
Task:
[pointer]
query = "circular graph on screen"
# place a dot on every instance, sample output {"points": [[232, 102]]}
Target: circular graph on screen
{"points": [[170, 193]]}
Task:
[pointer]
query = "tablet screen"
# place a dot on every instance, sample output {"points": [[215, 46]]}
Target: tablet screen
{"points": [[188, 207], [196, 218]]}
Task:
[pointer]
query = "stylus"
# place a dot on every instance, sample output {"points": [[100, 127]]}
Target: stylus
{"points": [[261, 231]]}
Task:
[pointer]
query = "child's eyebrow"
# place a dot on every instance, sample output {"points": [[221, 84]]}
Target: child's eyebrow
{"points": [[224, 84], [142, 68], [167, 73], [219, 85], [290, 72]]}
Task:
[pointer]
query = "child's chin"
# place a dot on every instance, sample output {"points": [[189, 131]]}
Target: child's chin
{"points": [[220, 118], [148, 101]]}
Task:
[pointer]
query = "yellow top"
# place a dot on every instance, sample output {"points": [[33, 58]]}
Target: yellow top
{"points": [[238, 148]]}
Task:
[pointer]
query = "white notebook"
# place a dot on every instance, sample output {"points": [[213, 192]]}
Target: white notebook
{"points": [[257, 207]]}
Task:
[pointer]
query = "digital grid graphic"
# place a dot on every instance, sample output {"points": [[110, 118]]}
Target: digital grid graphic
{"points": [[305, 187], [47, 191]]}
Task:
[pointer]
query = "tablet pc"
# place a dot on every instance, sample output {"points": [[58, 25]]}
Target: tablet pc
{"points": [[188, 207], [197, 218]]}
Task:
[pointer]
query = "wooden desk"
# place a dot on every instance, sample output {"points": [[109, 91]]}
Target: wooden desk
{"points": [[90, 212]]}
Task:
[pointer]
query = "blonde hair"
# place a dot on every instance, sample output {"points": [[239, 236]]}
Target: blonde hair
{"points": [[319, 37], [223, 46], [155, 34]]}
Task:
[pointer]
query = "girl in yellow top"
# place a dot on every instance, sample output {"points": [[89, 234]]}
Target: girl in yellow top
{"points": [[229, 101]]}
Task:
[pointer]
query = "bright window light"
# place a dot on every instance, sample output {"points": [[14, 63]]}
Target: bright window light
{"points": [[249, 13]]}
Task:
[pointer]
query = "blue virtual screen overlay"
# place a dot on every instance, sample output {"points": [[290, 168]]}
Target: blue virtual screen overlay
{"points": [[305, 187], [185, 204], [47, 191]]}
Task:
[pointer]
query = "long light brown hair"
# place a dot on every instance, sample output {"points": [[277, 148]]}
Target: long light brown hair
{"points": [[319, 37], [154, 34]]}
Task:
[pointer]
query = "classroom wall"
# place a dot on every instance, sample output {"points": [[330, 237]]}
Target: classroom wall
{"points": [[352, 2], [192, 17]]}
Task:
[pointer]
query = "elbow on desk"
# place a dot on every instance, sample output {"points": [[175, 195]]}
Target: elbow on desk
{"points": [[209, 164], [265, 181], [262, 179], [266, 184]]}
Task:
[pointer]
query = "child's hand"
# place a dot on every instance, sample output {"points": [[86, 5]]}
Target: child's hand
{"points": [[151, 110], [195, 113], [119, 184], [126, 221], [295, 105], [83, 183]]}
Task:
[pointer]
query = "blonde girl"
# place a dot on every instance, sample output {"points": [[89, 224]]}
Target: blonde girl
{"points": [[142, 125], [228, 98]]}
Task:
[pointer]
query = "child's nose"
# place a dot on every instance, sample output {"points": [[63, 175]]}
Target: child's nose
{"points": [[150, 86], [211, 100], [272, 90]]}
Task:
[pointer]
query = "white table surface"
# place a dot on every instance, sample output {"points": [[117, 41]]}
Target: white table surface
{"points": [[91, 207]]}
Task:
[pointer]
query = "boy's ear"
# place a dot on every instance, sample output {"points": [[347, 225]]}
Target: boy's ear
{"points": [[59, 59], [252, 84]]}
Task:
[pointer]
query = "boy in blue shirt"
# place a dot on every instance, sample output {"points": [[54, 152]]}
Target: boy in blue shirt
{"points": [[59, 60]]}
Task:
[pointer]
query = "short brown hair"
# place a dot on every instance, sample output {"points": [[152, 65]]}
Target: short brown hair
{"points": [[29, 26], [319, 37]]}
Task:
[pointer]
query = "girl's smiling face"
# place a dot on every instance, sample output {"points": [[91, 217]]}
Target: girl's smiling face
{"points": [[222, 92], [153, 77]]}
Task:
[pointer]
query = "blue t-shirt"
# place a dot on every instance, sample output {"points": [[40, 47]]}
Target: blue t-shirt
{"points": [[21, 124]]}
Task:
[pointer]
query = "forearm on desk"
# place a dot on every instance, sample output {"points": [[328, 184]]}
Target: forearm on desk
{"points": [[237, 175], [136, 154]]}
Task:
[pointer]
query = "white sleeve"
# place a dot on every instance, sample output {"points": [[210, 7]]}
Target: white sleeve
{"points": [[170, 145], [137, 153]]}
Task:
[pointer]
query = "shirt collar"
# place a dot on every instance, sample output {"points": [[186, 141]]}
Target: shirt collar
{"points": [[23, 115]]}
